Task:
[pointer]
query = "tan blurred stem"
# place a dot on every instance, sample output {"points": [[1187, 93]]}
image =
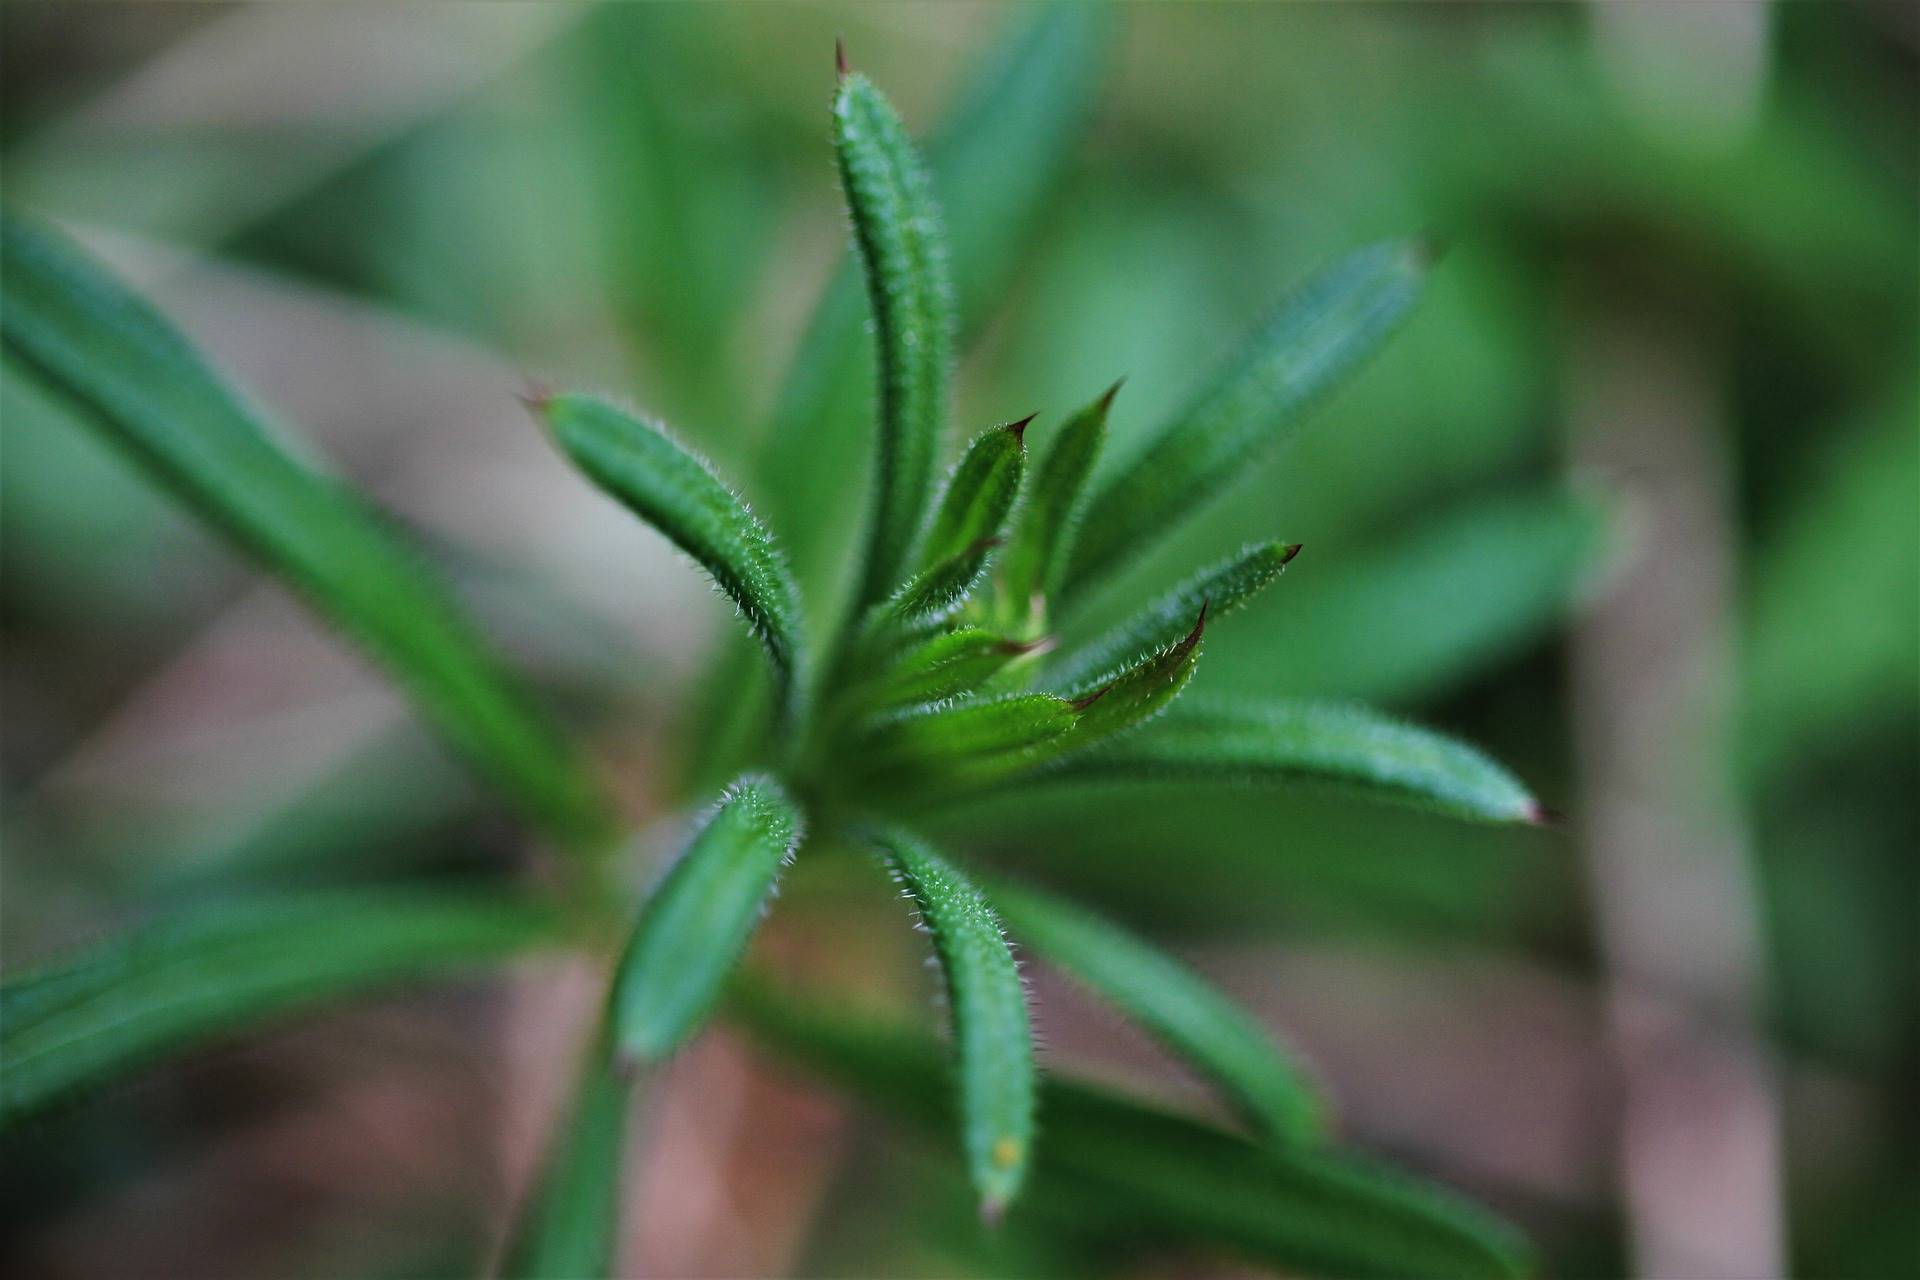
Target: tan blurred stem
{"points": [[1666, 850]]}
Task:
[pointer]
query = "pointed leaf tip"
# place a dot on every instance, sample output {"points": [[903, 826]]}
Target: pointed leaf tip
{"points": [[535, 395], [1288, 552], [1106, 398], [1540, 815], [840, 58], [1019, 429]]}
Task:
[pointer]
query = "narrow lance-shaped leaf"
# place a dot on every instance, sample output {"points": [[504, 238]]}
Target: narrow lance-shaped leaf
{"points": [[1175, 1004], [988, 1006], [949, 663], [678, 493], [992, 162], [696, 925], [570, 1225], [1125, 701], [168, 986], [1174, 1179], [945, 741], [979, 494], [934, 593], [896, 228], [139, 381], [1316, 337], [1347, 747], [1222, 589], [1038, 551]]}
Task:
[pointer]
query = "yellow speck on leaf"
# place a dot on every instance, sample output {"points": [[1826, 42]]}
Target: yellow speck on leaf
{"points": [[1006, 1152]]}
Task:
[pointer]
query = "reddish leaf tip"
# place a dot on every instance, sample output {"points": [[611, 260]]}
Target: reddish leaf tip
{"points": [[993, 1210], [839, 58], [1288, 552], [1087, 700], [1106, 398], [536, 395], [1539, 815], [1019, 429], [1021, 648]]}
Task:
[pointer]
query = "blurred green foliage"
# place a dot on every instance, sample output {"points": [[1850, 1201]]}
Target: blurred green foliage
{"points": [[640, 200]]}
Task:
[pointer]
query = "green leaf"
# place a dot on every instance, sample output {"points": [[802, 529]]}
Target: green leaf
{"points": [[979, 495], [949, 663], [933, 593], [993, 162], [669, 487], [988, 1006], [944, 741], [167, 986], [896, 227], [139, 381], [571, 1224], [696, 925], [1317, 336], [1178, 1006], [1347, 747], [1037, 553], [1179, 1181], [1137, 694], [1220, 590]]}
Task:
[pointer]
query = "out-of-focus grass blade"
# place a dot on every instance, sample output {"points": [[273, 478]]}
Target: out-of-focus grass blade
{"points": [[993, 162], [696, 925], [1348, 747], [571, 1224], [168, 986], [1829, 654], [949, 740], [1316, 337], [678, 493], [1220, 590], [903, 249], [1174, 1003], [992, 1036], [151, 394], [979, 494], [1042, 540], [1417, 614], [1303, 1212]]}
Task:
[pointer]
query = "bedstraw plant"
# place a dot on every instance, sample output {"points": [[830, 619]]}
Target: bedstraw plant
{"points": [[934, 683]]}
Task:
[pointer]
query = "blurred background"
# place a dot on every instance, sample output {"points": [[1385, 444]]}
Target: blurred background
{"points": [[1633, 502]]}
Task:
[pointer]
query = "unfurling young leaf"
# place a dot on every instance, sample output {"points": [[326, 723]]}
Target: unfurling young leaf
{"points": [[695, 926], [1042, 541], [896, 228], [1347, 747], [678, 493], [1221, 589], [962, 739], [570, 1226], [949, 663], [1315, 337], [979, 494], [168, 986], [1140, 692], [1175, 1004], [988, 1007], [139, 381]]}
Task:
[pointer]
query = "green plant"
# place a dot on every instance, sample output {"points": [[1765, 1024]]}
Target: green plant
{"points": [[939, 685]]}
